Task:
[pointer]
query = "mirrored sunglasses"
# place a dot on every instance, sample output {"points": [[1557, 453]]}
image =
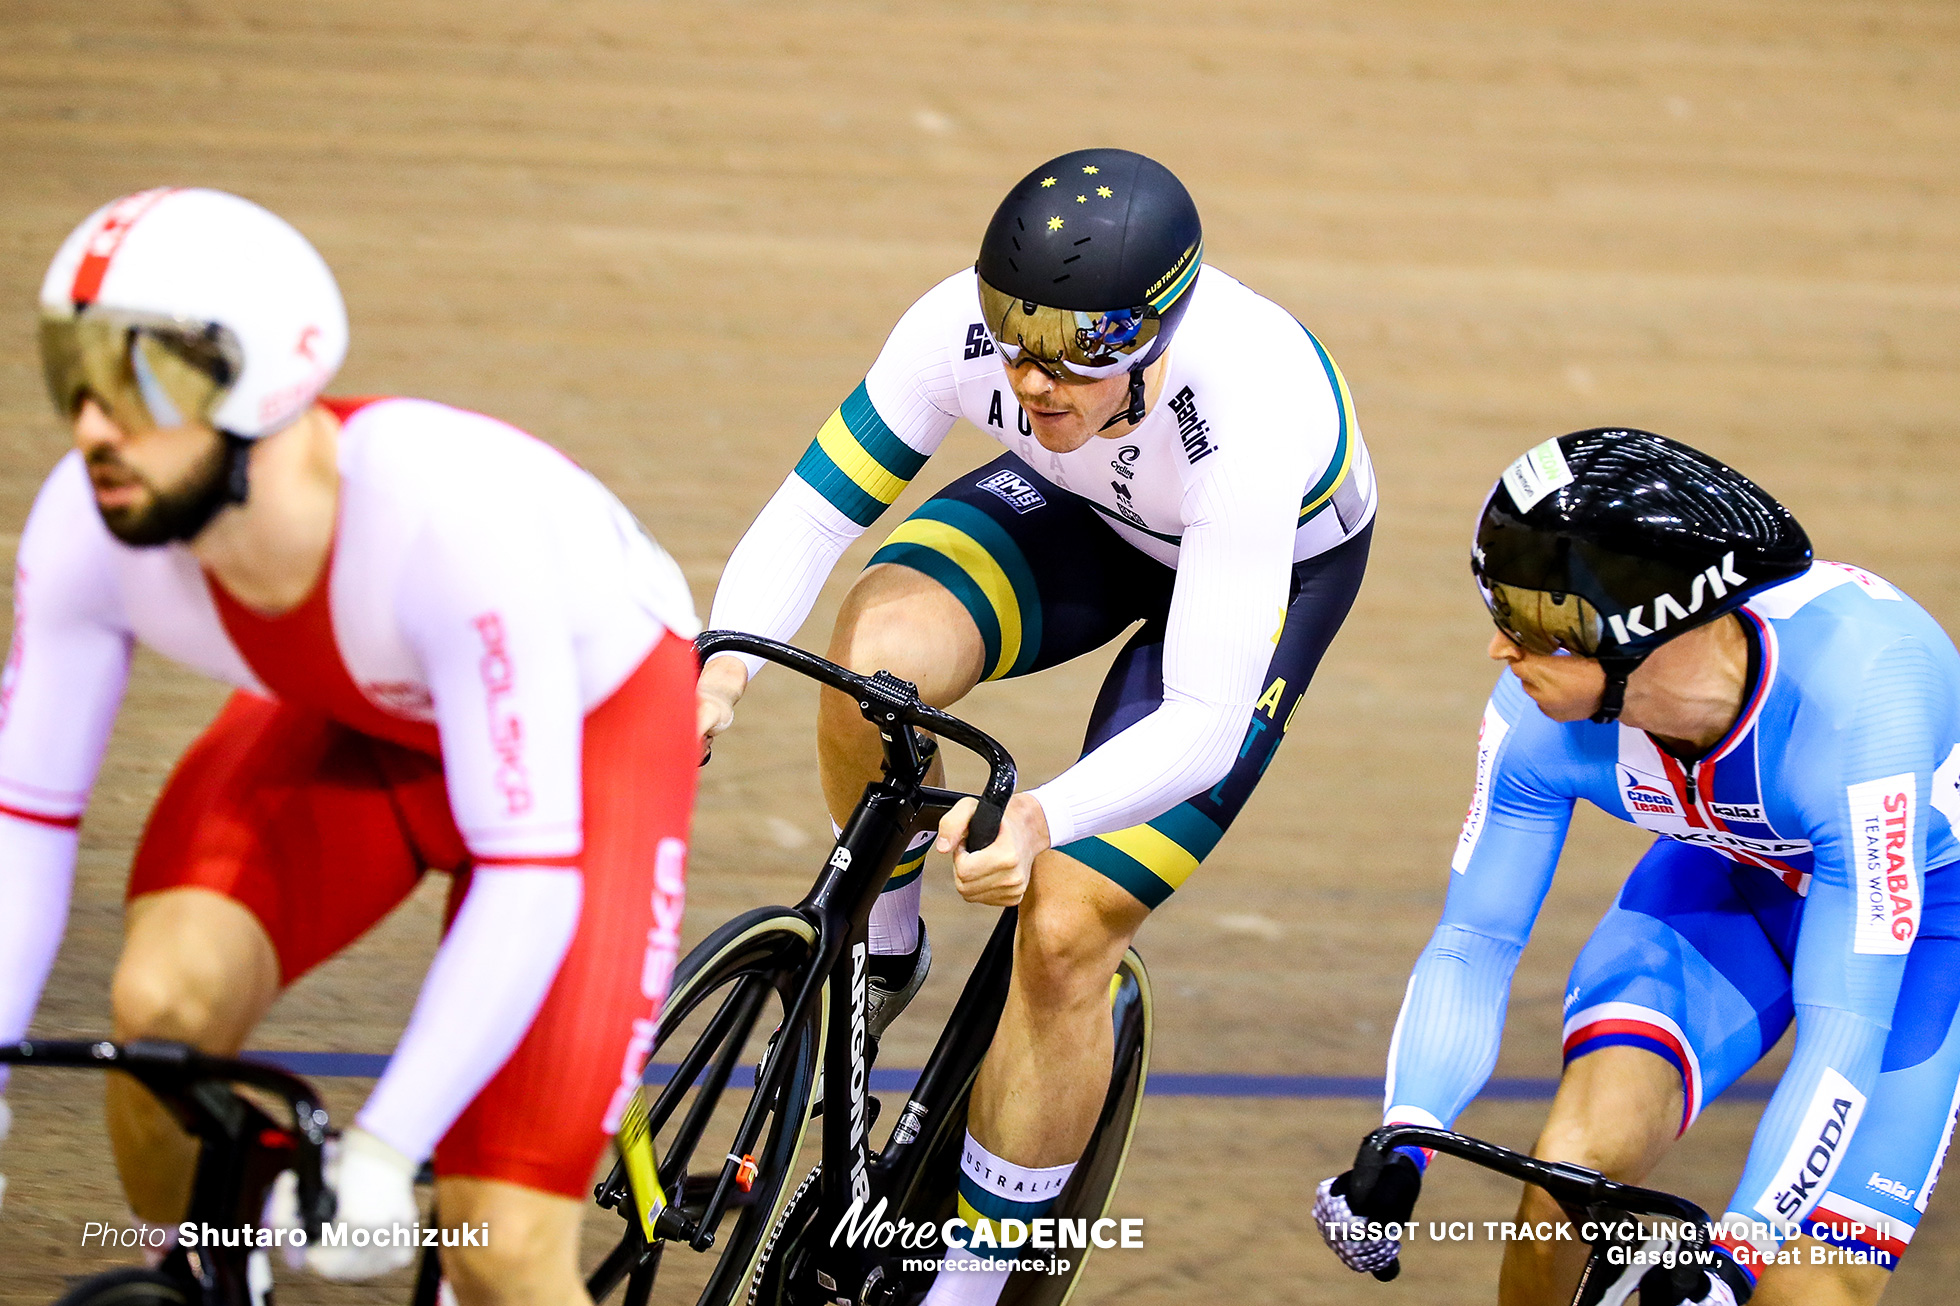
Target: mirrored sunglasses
{"points": [[145, 370], [1543, 622]]}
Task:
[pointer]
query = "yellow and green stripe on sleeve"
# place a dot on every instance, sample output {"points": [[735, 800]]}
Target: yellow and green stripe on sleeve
{"points": [[857, 462], [1338, 466]]}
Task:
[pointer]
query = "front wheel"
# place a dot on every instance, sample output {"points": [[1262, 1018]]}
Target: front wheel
{"points": [[127, 1287], [727, 1009]]}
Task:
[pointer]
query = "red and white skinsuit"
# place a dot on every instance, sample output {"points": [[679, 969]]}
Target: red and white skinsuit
{"points": [[492, 677]]}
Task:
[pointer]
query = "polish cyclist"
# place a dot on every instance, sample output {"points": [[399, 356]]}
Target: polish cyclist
{"points": [[452, 648], [1790, 729], [1213, 487]]}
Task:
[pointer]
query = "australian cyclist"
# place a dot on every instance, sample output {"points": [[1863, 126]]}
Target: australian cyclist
{"points": [[1181, 452]]}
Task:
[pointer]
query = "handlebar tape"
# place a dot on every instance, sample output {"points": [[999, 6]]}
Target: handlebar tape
{"points": [[984, 828]]}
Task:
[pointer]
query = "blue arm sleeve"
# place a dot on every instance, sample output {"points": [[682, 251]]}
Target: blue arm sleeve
{"points": [[1452, 1022], [1863, 781]]}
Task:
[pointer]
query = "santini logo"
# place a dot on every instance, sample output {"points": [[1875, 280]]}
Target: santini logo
{"points": [[1193, 431], [1668, 608]]}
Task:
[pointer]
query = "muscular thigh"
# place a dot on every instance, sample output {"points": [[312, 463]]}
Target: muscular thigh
{"points": [[196, 967], [903, 621], [1689, 964]]}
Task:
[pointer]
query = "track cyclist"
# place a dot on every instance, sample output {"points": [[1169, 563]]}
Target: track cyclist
{"points": [[1790, 729], [1212, 486], [453, 649]]}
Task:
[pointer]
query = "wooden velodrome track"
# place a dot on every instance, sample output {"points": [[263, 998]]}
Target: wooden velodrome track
{"points": [[669, 237]]}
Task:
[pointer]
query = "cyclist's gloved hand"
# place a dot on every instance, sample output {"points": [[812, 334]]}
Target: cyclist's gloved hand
{"points": [[1343, 1204], [374, 1188]]}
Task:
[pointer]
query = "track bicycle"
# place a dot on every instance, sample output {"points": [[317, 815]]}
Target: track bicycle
{"points": [[784, 987], [1618, 1213], [242, 1150]]}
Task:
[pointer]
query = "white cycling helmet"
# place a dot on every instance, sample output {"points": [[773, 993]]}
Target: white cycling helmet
{"points": [[170, 306]]}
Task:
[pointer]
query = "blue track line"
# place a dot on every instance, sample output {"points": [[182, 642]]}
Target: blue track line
{"points": [[1163, 1083]]}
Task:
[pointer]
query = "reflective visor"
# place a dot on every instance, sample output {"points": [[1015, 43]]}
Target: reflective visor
{"points": [[145, 371], [1088, 345], [1539, 621]]}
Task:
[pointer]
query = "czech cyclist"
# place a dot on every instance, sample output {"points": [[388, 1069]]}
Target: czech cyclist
{"points": [[453, 649], [1791, 731], [1181, 453]]}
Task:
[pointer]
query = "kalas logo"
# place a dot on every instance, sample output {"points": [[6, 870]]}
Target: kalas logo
{"points": [[1668, 608], [1890, 1187]]}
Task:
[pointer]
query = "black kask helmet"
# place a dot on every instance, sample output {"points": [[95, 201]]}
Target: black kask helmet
{"points": [[1088, 266], [1608, 543]]}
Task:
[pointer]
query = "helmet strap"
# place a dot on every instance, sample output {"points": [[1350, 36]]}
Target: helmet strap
{"points": [[1614, 699], [1134, 413], [238, 464]]}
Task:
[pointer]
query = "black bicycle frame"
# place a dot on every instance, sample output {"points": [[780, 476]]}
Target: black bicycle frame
{"points": [[839, 906], [243, 1150]]}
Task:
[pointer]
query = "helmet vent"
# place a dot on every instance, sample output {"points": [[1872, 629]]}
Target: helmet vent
{"points": [[1070, 259]]}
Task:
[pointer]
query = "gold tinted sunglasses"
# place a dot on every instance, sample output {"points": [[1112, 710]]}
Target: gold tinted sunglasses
{"points": [[1540, 621], [1088, 345], [145, 370]]}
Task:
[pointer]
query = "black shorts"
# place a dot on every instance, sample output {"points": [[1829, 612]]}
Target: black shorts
{"points": [[1046, 579]]}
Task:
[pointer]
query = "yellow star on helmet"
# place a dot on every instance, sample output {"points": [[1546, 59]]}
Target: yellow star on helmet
{"points": [[1054, 224], [1104, 191], [1081, 199], [1091, 169], [1047, 182]]}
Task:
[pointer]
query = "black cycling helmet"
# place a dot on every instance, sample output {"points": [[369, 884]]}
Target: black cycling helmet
{"points": [[1608, 543], [1088, 265]]}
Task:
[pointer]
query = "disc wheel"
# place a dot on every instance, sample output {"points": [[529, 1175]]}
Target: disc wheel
{"points": [[1092, 1186], [725, 1010]]}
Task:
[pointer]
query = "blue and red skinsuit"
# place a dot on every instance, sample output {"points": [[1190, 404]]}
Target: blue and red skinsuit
{"points": [[1804, 871]]}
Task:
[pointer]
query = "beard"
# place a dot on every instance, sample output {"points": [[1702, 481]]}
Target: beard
{"points": [[176, 513]]}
